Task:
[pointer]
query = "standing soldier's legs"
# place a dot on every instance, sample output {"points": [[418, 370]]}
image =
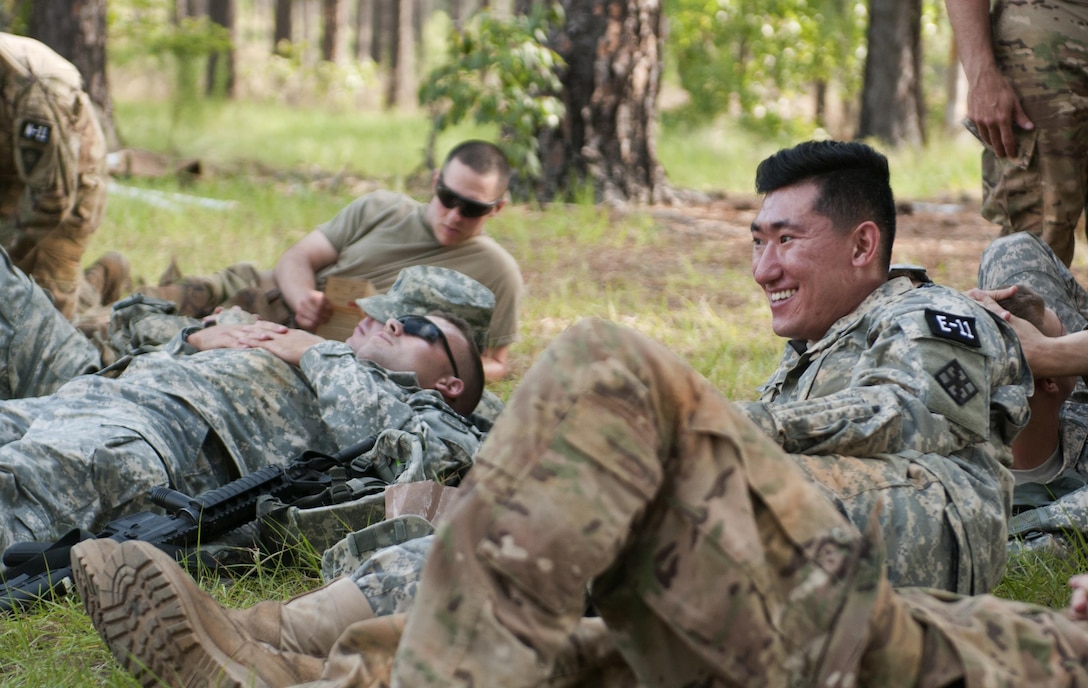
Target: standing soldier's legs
{"points": [[1042, 50], [618, 471], [55, 258]]}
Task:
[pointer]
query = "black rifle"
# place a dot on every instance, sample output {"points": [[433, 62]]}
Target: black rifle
{"points": [[39, 571]]}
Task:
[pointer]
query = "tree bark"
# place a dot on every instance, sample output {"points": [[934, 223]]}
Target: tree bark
{"points": [[402, 92], [364, 29], [221, 64], [458, 11], [283, 26], [384, 38], [613, 50], [76, 30], [330, 33], [892, 101]]}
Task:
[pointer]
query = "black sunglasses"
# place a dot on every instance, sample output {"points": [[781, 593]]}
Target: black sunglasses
{"points": [[418, 326], [468, 207]]}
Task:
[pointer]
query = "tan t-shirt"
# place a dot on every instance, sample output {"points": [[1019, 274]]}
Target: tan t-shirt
{"points": [[379, 234]]}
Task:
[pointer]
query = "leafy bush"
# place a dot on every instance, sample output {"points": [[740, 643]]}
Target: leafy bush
{"points": [[500, 71]]}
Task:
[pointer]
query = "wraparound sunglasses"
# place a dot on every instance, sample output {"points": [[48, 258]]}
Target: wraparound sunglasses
{"points": [[428, 331]]}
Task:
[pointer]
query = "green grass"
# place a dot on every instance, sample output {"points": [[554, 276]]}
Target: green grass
{"points": [[289, 170]]}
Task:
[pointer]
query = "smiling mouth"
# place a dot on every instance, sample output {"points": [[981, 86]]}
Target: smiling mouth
{"points": [[781, 295]]}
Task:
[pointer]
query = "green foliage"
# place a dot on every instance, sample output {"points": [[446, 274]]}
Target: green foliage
{"points": [[288, 78], [754, 56], [140, 28], [500, 71]]}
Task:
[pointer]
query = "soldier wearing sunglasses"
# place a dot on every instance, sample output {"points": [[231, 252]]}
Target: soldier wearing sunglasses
{"points": [[374, 238]]}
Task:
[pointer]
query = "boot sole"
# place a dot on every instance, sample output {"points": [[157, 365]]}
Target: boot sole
{"points": [[88, 563], [137, 598]]}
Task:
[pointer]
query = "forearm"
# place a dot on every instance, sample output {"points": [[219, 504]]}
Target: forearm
{"points": [[295, 278], [1058, 356], [496, 363], [970, 21]]}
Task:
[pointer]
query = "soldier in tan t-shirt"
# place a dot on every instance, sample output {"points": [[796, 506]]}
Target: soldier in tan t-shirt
{"points": [[374, 238]]}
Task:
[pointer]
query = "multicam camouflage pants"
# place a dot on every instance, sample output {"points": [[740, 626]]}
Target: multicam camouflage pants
{"points": [[711, 559], [1042, 48]]}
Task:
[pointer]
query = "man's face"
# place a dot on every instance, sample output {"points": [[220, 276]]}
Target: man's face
{"points": [[803, 265], [391, 347], [463, 188]]}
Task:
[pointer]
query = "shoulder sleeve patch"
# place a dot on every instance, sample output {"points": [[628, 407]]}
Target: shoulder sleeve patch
{"points": [[958, 328], [954, 379], [38, 132]]}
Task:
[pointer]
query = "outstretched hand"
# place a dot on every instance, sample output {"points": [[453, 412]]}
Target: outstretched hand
{"points": [[1032, 341]]}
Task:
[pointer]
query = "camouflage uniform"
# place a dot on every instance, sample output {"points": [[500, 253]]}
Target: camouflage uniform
{"points": [[1042, 48], [712, 559], [933, 414], [41, 350], [52, 167], [193, 420], [1045, 511]]}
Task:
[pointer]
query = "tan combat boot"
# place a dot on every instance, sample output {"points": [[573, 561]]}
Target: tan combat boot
{"points": [[110, 277], [165, 630]]}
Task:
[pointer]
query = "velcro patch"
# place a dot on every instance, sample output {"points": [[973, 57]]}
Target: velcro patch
{"points": [[958, 328], [30, 157], [953, 379], [38, 132]]}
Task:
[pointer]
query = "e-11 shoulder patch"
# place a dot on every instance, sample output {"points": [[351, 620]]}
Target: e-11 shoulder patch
{"points": [[38, 132], [953, 379], [958, 328]]}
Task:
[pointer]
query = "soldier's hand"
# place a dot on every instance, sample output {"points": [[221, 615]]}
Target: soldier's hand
{"points": [[288, 345], [241, 336], [1078, 602], [313, 310], [994, 108], [990, 297]]}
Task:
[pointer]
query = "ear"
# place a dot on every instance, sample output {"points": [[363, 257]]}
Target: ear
{"points": [[865, 246], [498, 206], [450, 387], [434, 178], [1047, 384]]}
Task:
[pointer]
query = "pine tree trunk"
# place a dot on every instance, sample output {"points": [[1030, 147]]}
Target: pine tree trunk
{"points": [[330, 34], [364, 29], [283, 26], [613, 50], [221, 64], [892, 101], [76, 30]]}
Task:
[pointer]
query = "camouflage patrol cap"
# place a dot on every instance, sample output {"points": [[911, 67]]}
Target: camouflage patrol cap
{"points": [[423, 288]]}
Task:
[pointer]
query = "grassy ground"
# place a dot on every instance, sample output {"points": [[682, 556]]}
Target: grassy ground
{"points": [[670, 278]]}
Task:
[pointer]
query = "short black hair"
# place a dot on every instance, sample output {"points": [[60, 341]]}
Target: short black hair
{"points": [[852, 181], [482, 157], [1026, 303], [470, 364]]}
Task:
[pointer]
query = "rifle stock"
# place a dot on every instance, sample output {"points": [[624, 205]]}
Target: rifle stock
{"points": [[43, 570]]}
